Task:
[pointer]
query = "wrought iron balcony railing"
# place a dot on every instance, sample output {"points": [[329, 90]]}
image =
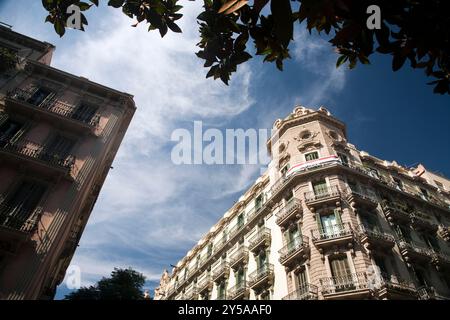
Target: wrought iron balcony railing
{"points": [[322, 195], [306, 292], [344, 283], [261, 274], [56, 107], [38, 152], [238, 291], [262, 237], [372, 233], [291, 208], [222, 269], [240, 255], [18, 218], [331, 232], [204, 282], [300, 243]]}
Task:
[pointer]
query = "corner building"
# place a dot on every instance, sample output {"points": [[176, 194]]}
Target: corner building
{"points": [[326, 221], [59, 134]]}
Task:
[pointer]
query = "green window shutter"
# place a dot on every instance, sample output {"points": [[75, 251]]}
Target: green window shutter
{"points": [[338, 217], [319, 222]]}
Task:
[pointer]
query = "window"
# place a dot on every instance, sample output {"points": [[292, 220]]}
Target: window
{"points": [[330, 225], [312, 156], [379, 261], [221, 292], [258, 201], [320, 187], [302, 281], [41, 97], [340, 271], [284, 170], [261, 261], [58, 149], [210, 249], [422, 279], [404, 233], [398, 183], [9, 130], [371, 222], [344, 159], [431, 242], [353, 186], [240, 220], [292, 236], [84, 113], [240, 277], [20, 206]]}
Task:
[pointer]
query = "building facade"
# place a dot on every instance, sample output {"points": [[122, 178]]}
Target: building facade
{"points": [[325, 221], [59, 134]]}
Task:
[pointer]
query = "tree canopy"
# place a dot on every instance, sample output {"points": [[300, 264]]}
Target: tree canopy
{"points": [[123, 284], [416, 31]]}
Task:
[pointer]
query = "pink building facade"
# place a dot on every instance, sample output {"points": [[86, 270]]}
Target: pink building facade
{"points": [[59, 135]]}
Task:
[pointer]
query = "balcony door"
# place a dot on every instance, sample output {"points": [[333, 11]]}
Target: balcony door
{"points": [[16, 210], [292, 238], [10, 131], [240, 277], [302, 282], [41, 97], [261, 261], [371, 223], [330, 225], [84, 113], [221, 290], [320, 187], [340, 271], [58, 149]]}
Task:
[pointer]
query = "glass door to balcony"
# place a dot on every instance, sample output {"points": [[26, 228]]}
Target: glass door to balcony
{"points": [[9, 131], [240, 278], [16, 210], [302, 283], [371, 223], [320, 188], [240, 221], [58, 149], [341, 274], [41, 97], [330, 225], [84, 113], [293, 238], [261, 261]]}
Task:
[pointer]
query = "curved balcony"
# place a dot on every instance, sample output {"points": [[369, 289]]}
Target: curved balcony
{"points": [[307, 292], [327, 195], [16, 226], [295, 251], [239, 257], [351, 286], [422, 221], [395, 213], [222, 270], [21, 101], [359, 198], [36, 156], [412, 252], [204, 283], [261, 278], [374, 239], [240, 291], [393, 287], [291, 211], [334, 235], [261, 239]]}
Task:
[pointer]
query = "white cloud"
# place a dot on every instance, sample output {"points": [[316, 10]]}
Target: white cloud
{"points": [[316, 55]]}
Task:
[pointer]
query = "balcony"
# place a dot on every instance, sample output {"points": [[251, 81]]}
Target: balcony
{"points": [[20, 101], [412, 252], [295, 251], [291, 211], [307, 292], [204, 283], [240, 291], [260, 239], [441, 260], [334, 235], [374, 239], [356, 198], [238, 227], [325, 196], [422, 221], [256, 212], [222, 270], [16, 226], [392, 287], [239, 257], [220, 244], [395, 213], [351, 286], [36, 156], [263, 277], [191, 292]]}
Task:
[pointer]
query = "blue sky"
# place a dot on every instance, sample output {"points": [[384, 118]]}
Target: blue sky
{"points": [[151, 212]]}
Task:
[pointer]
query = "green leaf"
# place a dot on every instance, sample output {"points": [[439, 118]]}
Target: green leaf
{"points": [[283, 23]]}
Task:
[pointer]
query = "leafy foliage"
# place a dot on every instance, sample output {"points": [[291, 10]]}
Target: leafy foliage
{"points": [[8, 59], [417, 31], [123, 284]]}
